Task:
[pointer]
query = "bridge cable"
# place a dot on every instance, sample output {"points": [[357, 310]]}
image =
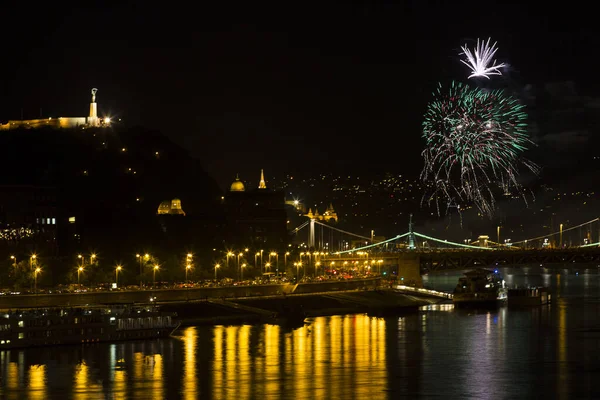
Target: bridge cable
{"points": [[301, 226], [342, 231], [468, 246], [374, 244], [556, 233]]}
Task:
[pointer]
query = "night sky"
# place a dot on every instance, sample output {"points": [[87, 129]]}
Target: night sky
{"points": [[295, 88]]}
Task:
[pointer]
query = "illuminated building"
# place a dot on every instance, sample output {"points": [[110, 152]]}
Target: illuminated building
{"points": [[62, 122], [172, 207], [255, 217], [328, 216]]}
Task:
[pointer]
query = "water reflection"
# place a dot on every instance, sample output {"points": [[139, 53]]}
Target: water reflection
{"points": [[340, 356]]}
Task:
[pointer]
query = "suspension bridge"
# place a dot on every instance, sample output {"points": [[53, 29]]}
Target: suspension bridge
{"points": [[570, 244]]}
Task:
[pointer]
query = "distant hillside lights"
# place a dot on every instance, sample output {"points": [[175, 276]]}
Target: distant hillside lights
{"points": [[63, 122]]}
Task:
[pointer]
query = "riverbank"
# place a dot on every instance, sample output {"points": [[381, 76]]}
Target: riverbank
{"points": [[265, 310]]}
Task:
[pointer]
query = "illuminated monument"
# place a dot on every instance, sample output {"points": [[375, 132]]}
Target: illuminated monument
{"points": [[91, 121]]}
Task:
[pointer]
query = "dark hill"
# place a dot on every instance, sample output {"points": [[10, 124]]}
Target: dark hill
{"points": [[112, 181]]}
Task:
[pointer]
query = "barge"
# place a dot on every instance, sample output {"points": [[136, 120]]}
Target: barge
{"points": [[536, 296], [57, 326], [481, 288]]}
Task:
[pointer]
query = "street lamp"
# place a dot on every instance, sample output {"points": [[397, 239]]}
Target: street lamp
{"points": [[297, 265], [154, 276], [117, 269], [139, 257], [187, 268], [32, 261], [274, 254], [238, 264], [285, 256], [256, 260], [229, 254], [242, 272], [79, 271], [14, 260], [35, 274], [217, 266]]}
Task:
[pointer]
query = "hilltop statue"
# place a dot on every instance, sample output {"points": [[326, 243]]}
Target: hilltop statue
{"points": [[94, 90]]}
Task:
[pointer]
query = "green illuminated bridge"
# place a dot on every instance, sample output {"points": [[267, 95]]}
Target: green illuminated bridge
{"points": [[338, 248]]}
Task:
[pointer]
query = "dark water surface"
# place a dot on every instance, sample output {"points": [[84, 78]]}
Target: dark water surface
{"points": [[546, 352]]}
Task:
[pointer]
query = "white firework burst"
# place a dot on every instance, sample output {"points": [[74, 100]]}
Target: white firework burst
{"points": [[481, 60]]}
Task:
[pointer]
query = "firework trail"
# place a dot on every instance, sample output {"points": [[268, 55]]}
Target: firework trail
{"points": [[474, 145], [481, 60]]}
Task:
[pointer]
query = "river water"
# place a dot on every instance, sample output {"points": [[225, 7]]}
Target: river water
{"points": [[545, 352]]}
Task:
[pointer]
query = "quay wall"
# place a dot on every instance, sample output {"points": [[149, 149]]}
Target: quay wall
{"points": [[174, 295]]}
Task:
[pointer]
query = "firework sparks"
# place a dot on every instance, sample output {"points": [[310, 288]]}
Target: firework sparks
{"points": [[481, 60], [474, 145]]}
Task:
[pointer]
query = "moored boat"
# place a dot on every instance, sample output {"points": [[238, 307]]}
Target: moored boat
{"points": [[480, 287], [533, 296], [56, 326]]}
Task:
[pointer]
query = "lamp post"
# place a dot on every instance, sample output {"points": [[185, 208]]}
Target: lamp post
{"points": [[229, 254], [261, 259], [187, 268], [268, 268], [79, 271], [15, 265], [154, 276], [274, 254], [285, 256], [139, 257], [217, 266], [117, 269], [242, 272], [35, 274], [297, 265], [238, 265], [256, 260], [32, 259]]}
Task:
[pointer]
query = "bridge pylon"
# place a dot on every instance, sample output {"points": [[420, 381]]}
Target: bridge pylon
{"points": [[311, 234], [411, 235]]}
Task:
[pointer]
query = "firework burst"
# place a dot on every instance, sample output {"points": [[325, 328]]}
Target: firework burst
{"points": [[474, 145], [481, 60]]}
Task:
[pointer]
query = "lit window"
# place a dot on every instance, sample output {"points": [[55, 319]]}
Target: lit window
{"points": [[53, 221], [43, 221], [71, 220], [48, 221]]}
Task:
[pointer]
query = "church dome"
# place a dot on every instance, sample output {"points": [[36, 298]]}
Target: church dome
{"points": [[237, 186]]}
